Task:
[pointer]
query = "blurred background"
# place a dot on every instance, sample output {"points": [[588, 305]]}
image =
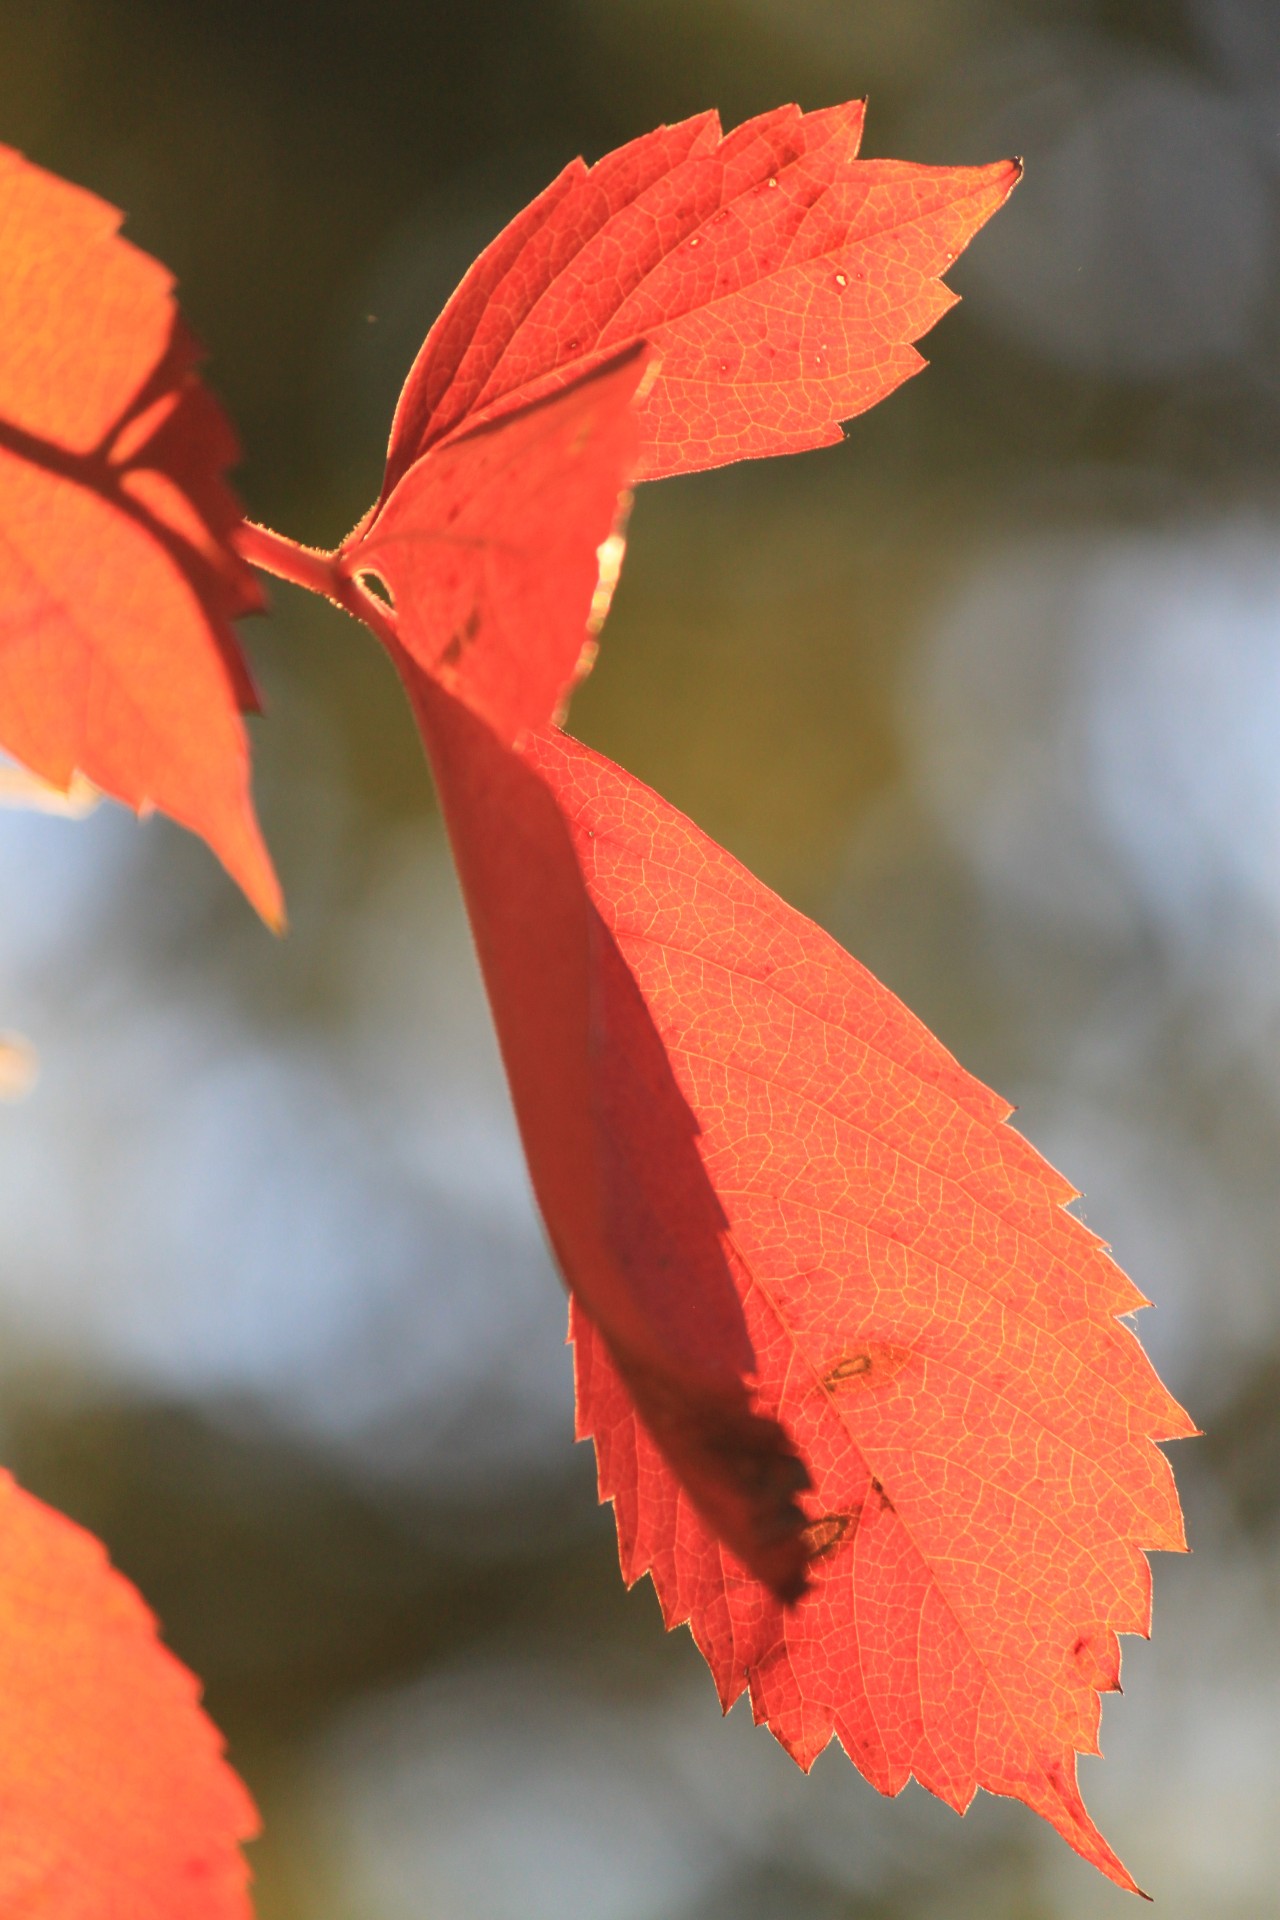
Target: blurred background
{"points": [[992, 691]]}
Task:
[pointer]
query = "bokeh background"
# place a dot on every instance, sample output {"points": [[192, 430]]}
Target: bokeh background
{"points": [[992, 691]]}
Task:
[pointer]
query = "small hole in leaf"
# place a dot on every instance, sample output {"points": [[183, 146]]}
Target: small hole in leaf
{"points": [[374, 584]]}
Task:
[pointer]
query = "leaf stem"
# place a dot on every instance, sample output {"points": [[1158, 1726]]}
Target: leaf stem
{"points": [[275, 553], [319, 571]]}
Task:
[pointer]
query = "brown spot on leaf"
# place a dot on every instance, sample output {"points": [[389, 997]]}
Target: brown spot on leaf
{"points": [[865, 1367], [822, 1536], [461, 639], [845, 1370]]}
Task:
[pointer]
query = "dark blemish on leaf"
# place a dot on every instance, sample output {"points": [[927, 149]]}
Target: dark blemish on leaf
{"points": [[850, 1368], [822, 1536], [465, 634], [871, 1366]]}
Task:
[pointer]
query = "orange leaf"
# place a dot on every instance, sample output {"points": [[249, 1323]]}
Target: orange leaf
{"points": [[780, 280], [114, 1796], [117, 576], [938, 1335]]}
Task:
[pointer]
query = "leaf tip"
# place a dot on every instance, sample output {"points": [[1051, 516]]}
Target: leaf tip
{"points": [[271, 909], [250, 866], [1008, 173]]}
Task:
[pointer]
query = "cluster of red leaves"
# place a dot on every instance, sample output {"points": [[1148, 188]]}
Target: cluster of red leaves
{"points": [[857, 1382]]}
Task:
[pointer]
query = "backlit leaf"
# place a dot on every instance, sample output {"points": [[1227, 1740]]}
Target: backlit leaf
{"points": [[779, 279], [118, 582], [115, 1799], [937, 1334]]}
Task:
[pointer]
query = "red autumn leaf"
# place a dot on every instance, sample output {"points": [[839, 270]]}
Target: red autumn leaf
{"points": [[114, 1795], [938, 1335], [919, 1314], [117, 576], [779, 279]]}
